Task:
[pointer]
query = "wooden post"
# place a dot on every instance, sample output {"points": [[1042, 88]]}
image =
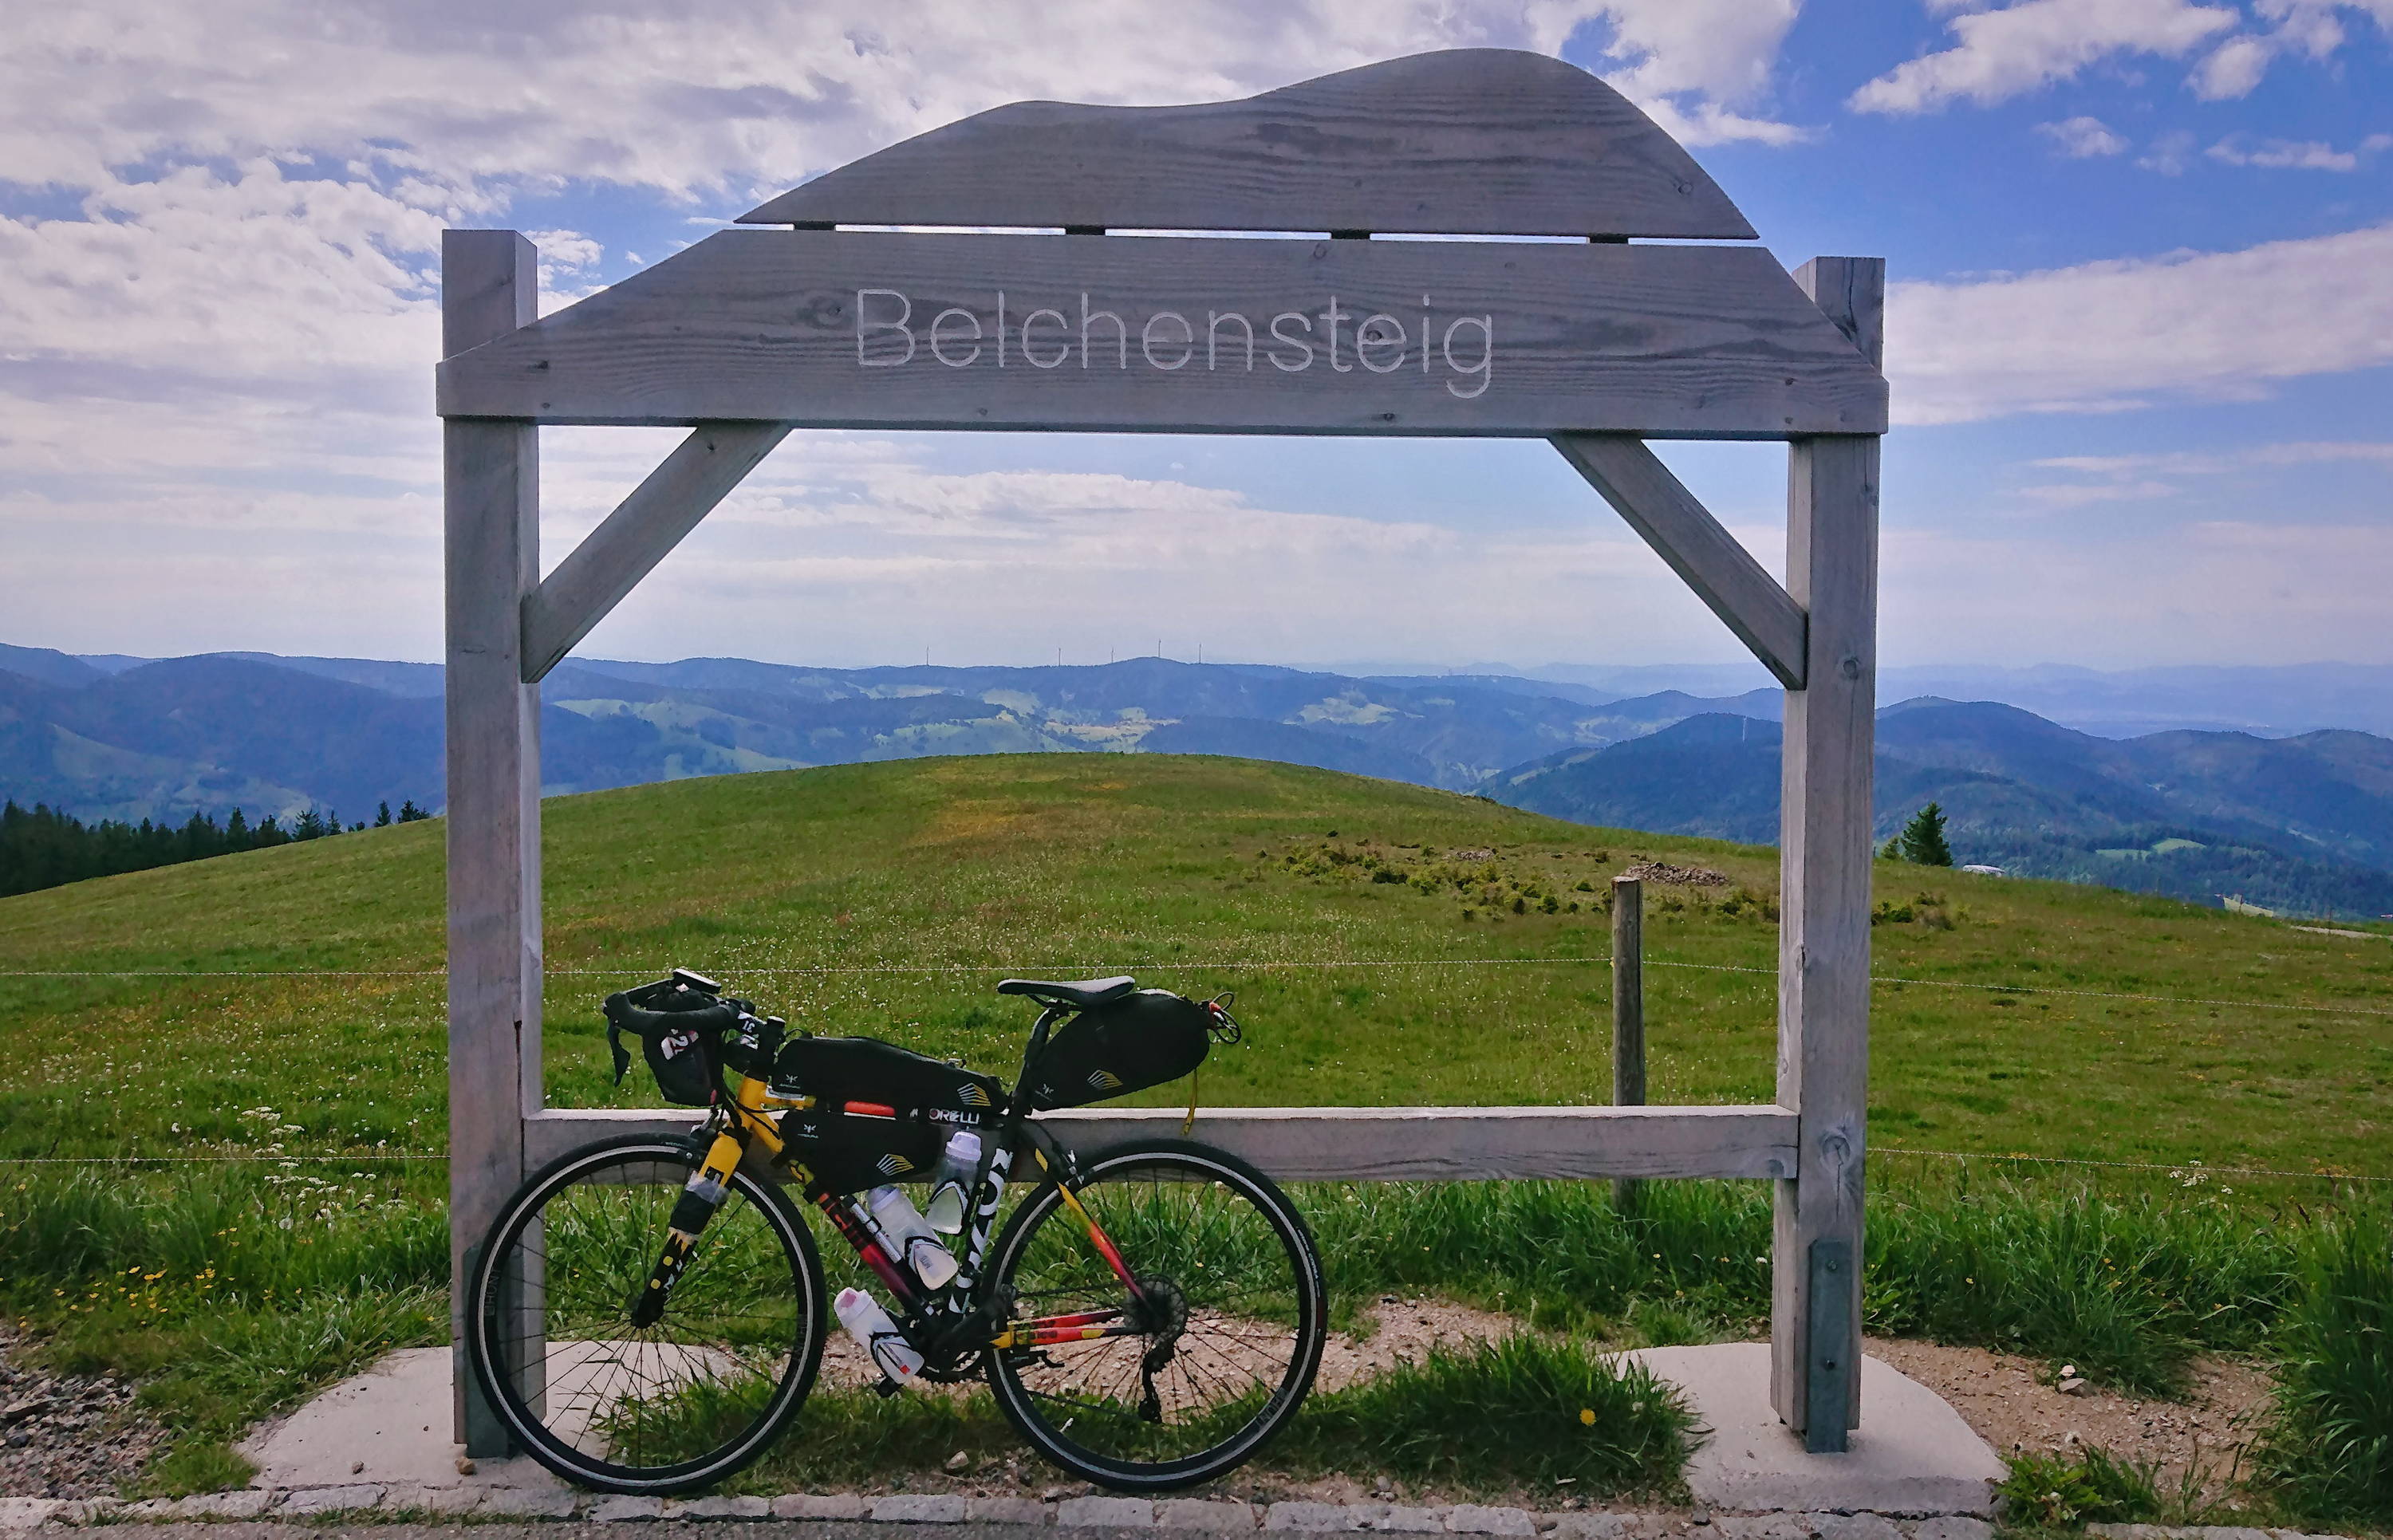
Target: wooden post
{"points": [[1825, 897], [1627, 1012], [490, 281]]}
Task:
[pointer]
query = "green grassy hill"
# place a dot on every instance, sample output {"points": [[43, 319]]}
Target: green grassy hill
{"points": [[1373, 965]]}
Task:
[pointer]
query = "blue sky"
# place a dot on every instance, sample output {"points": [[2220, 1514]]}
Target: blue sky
{"points": [[2141, 338]]}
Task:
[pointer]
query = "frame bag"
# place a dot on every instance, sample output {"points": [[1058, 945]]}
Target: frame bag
{"points": [[880, 1113], [1141, 1040]]}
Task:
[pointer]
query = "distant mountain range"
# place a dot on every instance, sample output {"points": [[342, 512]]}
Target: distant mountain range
{"points": [[2299, 823]]}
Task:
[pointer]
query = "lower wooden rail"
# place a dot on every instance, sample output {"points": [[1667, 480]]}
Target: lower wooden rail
{"points": [[1373, 1143]]}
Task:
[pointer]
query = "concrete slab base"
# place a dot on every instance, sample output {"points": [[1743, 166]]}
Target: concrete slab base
{"points": [[387, 1426], [1911, 1454], [388, 1429]]}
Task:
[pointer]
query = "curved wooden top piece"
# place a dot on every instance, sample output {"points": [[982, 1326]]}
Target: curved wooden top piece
{"points": [[1469, 141]]}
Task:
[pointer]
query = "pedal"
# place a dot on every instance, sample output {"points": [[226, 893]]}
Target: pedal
{"points": [[884, 1388]]}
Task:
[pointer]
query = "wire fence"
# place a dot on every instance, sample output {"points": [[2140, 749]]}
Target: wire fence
{"points": [[1225, 965], [1245, 965], [2180, 1170]]}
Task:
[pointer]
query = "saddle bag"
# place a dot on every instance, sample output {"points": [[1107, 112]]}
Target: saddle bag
{"points": [[1139, 1041]]}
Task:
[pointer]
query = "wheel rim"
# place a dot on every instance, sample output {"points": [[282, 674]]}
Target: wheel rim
{"points": [[677, 1402], [1233, 1314]]}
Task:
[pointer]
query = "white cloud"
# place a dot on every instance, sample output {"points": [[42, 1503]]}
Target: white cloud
{"points": [[2218, 591], [2009, 52], [2071, 494], [2111, 335], [1688, 63], [2305, 155], [2232, 69], [2082, 138], [2238, 65], [2255, 457], [733, 100], [2170, 154]]}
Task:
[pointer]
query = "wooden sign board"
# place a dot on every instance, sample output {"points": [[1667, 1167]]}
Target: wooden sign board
{"points": [[1488, 141], [1091, 334]]}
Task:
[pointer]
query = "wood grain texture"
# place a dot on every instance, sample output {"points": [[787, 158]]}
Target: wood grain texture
{"points": [[1628, 1013], [642, 531], [1485, 141], [1851, 291], [1683, 533], [1824, 884], [1380, 1143], [861, 330], [492, 540], [1628, 992]]}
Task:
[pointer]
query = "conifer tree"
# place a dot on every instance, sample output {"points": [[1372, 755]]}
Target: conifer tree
{"points": [[1923, 837], [382, 815]]}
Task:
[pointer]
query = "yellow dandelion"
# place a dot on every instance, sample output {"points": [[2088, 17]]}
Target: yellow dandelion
{"points": [[1586, 1416]]}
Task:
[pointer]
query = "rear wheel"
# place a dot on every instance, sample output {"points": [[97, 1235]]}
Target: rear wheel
{"points": [[660, 1408], [1216, 1348]]}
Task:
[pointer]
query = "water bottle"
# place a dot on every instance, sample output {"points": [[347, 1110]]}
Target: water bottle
{"points": [[952, 1183], [910, 1240], [861, 1314]]}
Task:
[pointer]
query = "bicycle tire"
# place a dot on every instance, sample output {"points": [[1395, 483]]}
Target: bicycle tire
{"points": [[688, 1368], [1192, 1169]]}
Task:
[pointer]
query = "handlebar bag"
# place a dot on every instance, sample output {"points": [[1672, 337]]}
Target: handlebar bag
{"points": [[1141, 1040], [681, 1038]]}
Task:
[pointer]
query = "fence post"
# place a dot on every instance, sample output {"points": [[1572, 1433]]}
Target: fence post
{"points": [[489, 286], [1628, 1013]]}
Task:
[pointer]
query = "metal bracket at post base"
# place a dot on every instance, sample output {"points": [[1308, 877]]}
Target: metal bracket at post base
{"points": [[1826, 1368], [487, 1434]]}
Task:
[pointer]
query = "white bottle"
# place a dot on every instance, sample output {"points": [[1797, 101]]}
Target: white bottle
{"points": [[952, 1183], [910, 1239], [861, 1314]]}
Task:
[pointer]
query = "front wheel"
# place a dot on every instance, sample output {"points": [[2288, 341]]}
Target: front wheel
{"points": [[1184, 1377], [664, 1408]]}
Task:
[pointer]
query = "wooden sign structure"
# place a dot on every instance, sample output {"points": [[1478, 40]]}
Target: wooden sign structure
{"points": [[1593, 343]]}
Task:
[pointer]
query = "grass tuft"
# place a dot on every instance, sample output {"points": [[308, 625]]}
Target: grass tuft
{"points": [[2055, 1492], [1525, 1410], [2328, 1447]]}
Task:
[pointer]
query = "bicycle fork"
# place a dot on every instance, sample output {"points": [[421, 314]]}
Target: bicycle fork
{"points": [[700, 1197]]}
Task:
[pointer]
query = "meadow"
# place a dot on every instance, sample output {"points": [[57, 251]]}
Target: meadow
{"points": [[2037, 1018], [279, 1011]]}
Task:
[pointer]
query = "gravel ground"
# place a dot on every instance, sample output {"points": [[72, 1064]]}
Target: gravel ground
{"points": [[67, 1436], [2006, 1401]]}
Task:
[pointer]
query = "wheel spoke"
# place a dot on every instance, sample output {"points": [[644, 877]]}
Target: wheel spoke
{"points": [[685, 1399], [1224, 1280]]}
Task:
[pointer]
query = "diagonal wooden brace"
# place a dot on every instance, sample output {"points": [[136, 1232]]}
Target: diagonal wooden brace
{"points": [[637, 535], [1683, 533]]}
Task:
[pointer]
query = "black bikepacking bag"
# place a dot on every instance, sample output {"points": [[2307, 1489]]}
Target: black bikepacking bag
{"points": [[1139, 1041], [680, 1032], [880, 1113]]}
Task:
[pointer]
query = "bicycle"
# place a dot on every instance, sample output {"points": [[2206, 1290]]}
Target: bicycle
{"points": [[647, 1313]]}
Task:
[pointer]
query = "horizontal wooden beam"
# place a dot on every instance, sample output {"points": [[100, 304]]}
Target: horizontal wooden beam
{"points": [[611, 559], [1377, 1144], [1683, 533], [1088, 333]]}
